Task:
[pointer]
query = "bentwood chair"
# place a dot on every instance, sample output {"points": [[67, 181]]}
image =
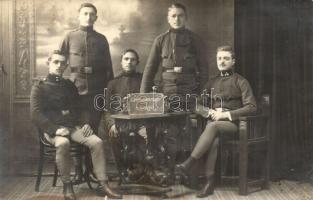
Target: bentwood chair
{"points": [[47, 152]]}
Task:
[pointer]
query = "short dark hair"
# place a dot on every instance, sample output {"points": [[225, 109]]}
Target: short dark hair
{"points": [[132, 51], [178, 5], [228, 49], [90, 5], [58, 52]]}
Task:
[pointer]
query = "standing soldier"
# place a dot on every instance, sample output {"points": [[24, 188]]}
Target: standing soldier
{"points": [[89, 61], [90, 65], [179, 55]]}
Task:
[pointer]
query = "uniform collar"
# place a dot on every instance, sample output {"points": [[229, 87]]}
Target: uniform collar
{"points": [[86, 28], [54, 78], [128, 74], [226, 73], [180, 30]]}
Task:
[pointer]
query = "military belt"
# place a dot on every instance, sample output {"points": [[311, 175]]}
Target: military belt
{"points": [[65, 112], [222, 109], [181, 71]]}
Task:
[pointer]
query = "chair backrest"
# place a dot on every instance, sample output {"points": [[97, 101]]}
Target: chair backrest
{"points": [[264, 105], [258, 127]]}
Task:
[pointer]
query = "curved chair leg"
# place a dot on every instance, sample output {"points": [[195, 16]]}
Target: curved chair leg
{"points": [[55, 175], [40, 167]]}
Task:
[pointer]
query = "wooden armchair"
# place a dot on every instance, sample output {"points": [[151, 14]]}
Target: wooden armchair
{"points": [[254, 136]]}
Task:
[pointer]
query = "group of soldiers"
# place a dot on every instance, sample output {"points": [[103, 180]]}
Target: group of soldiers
{"points": [[64, 109]]}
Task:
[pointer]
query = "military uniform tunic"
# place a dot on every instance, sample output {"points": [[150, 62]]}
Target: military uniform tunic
{"points": [[235, 92], [122, 85], [91, 69], [181, 49], [238, 100], [89, 59], [53, 104], [125, 143]]}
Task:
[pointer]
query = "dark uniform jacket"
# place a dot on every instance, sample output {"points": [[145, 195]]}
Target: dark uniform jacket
{"points": [[53, 104], [235, 92], [181, 48], [89, 59], [122, 85]]}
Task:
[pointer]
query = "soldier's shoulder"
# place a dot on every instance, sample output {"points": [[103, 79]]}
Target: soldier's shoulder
{"points": [[194, 35], [214, 77], [115, 79], [38, 81], [191, 32], [238, 76], [68, 82], [38, 84], [100, 35], [71, 32], [138, 74], [162, 35]]}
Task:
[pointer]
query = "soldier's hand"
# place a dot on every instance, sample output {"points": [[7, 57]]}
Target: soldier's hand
{"points": [[87, 130], [113, 131], [211, 111], [217, 115], [62, 132], [143, 133]]}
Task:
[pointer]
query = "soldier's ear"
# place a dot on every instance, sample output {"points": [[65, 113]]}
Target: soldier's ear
{"points": [[48, 61]]}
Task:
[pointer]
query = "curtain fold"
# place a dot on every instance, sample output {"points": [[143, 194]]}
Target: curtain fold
{"points": [[274, 47]]}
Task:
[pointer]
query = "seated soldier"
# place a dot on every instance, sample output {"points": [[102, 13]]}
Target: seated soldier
{"points": [[128, 140], [54, 110], [237, 100]]}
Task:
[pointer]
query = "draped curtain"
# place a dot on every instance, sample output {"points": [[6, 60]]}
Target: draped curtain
{"points": [[274, 50]]}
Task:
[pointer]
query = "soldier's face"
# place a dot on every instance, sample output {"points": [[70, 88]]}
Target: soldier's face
{"points": [[177, 18], [87, 16], [57, 64], [225, 61], [129, 62]]}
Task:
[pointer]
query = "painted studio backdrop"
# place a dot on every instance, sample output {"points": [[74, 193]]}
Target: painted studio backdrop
{"points": [[125, 23]]}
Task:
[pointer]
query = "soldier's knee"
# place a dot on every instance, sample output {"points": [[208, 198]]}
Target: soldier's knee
{"points": [[212, 126], [95, 142], [62, 143]]}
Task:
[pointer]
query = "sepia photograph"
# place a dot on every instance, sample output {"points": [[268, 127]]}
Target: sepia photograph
{"points": [[156, 99]]}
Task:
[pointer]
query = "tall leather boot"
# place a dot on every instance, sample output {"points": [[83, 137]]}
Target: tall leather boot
{"points": [[184, 167], [208, 188], [104, 190], [68, 191]]}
